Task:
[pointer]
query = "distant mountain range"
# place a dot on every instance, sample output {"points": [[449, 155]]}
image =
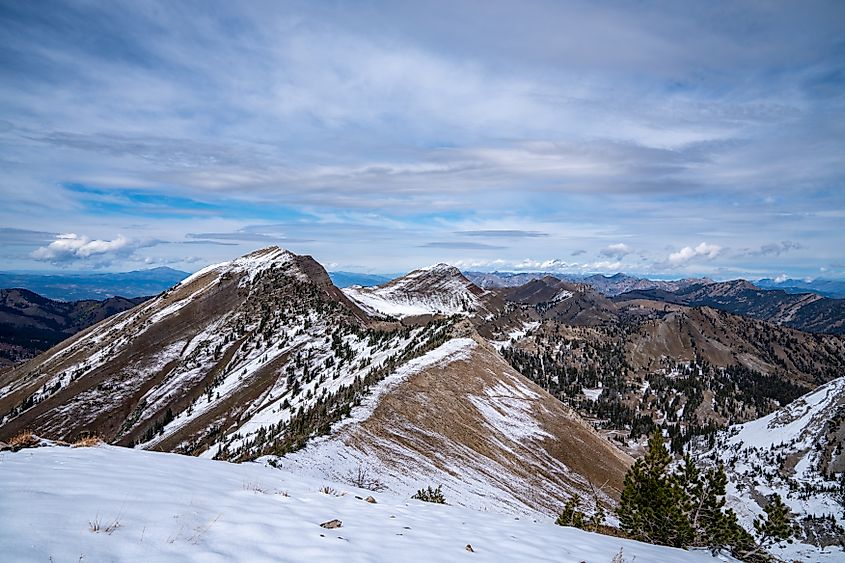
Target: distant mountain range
{"points": [[608, 285], [30, 323], [347, 279], [805, 311], [77, 286], [826, 288]]}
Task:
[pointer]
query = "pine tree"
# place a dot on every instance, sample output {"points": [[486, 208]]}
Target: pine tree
{"points": [[680, 508], [777, 525], [651, 507], [570, 515]]}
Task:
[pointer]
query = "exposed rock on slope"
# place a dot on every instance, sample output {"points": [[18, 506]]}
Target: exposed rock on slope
{"points": [[640, 363], [552, 299], [187, 369], [462, 418]]}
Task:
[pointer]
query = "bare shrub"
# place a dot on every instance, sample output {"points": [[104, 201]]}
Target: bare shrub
{"points": [[96, 526], [363, 478], [326, 490]]}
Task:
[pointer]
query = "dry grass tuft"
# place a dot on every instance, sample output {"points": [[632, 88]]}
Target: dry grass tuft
{"points": [[255, 487], [88, 442], [24, 440], [95, 526], [326, 490]]}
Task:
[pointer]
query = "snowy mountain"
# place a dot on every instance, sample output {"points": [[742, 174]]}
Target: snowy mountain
{"points": [[116, 504], [797, 452], [262, 355], [438, 290], [606, 285]]}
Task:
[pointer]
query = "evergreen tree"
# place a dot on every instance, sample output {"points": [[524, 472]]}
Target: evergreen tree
{"points": [[777, 525], [651, 507], [571, 516]]}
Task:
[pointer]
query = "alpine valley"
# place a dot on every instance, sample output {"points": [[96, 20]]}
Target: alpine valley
{"points": [[511, 398]]}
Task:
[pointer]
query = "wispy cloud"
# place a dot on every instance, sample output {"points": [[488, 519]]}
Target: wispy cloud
{"points": [[502, 233], [461, 245], [558, 129]]}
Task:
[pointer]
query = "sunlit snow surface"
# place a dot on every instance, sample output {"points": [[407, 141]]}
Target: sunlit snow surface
{"points": [[177, 508]]}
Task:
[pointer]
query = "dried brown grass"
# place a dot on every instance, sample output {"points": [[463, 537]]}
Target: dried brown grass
{"points": [[88, 442], [23, 440]]}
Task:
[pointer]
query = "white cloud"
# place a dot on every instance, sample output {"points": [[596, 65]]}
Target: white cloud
{"points": [[687, 253], [71, 247], [617, 251]]}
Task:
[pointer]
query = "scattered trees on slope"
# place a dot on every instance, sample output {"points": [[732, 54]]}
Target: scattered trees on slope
{"points": [[685, 507]]}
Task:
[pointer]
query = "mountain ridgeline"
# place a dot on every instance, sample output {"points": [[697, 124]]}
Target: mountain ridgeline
{"points": [[260, 356], [513, 398]]}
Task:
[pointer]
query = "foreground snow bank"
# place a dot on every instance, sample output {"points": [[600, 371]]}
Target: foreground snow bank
{"points": [[164, 507]]}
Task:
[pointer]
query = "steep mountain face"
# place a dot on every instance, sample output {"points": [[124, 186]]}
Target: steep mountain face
{"points": [[438, 290], [806, 311], [30, 323], [549, 298], [72, 287], [259, 356], [644, 363], [797, 452], [185, 369], [462, 418]]}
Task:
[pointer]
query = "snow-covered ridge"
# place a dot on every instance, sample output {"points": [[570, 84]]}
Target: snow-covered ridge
{"points": [[452, 350], [438, 289], [796, 453], [115, 504], [252, 264]]}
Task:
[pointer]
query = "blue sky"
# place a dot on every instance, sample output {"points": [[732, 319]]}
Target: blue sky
{"points": [[658, 138]]}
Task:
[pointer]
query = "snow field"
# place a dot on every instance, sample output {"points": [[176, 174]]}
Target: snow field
{"points": [[157, 507]]}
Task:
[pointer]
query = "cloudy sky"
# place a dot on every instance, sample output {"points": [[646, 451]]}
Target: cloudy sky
{"points": [[659, 138]]}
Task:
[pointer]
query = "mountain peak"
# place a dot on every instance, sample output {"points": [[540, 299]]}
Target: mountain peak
{"points": [[251, 264], [441, 269], [439, 289]]}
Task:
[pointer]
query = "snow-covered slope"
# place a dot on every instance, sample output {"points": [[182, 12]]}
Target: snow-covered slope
{"points": [[222, 361], [157, 507], [797, 452], [440, 289], [462, 418]]}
